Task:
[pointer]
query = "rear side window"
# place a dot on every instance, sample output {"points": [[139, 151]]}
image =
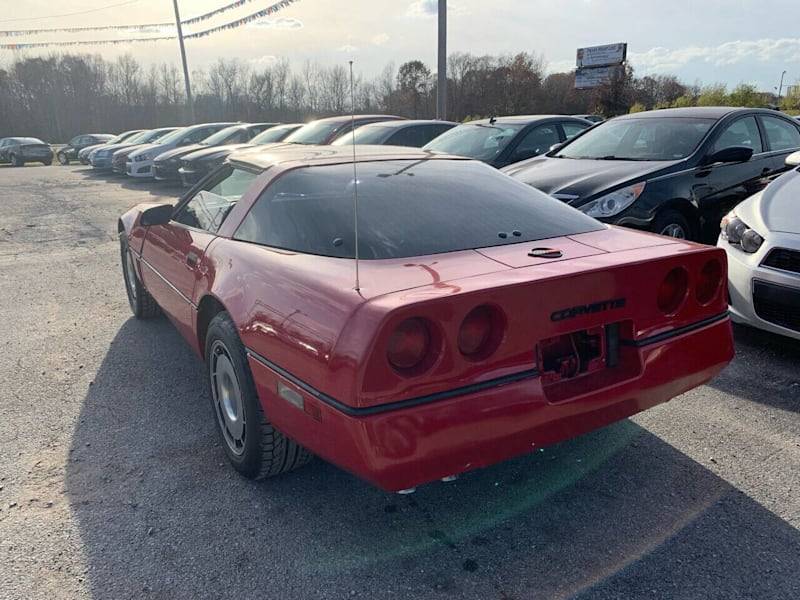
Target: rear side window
{"points": [[571, 129], [406, 208], [208, 208], [781, 135]]}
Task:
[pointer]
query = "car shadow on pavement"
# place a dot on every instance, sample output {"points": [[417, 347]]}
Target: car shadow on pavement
{"points": [[746, 378], [616, 513], [150, 186]]}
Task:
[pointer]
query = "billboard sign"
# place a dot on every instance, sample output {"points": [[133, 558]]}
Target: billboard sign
{"points": [[601, 56], [590, 78]]}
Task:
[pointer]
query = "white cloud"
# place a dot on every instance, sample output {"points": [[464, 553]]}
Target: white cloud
{"points": [[729, 53], [380, 39], [348, 48], [278, 23], [430, 8], [263, 61]]}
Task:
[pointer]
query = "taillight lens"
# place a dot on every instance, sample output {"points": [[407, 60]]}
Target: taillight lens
{"points": [[479, 332], [673, 290], [709, 283], [476, 329], [409, 344]]}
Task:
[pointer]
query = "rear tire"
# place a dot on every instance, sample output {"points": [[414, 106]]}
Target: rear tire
{"points": [[16, 161], [253, 446], [62, 159], [672, 223], [47, 163], [142, 304]]}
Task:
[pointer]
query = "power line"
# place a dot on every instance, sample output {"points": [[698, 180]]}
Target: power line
{"points": [[83, 12]]}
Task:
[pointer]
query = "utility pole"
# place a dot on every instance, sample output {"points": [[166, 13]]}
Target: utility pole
{"points": [[780, 88], [441, 87], [189, 100]]}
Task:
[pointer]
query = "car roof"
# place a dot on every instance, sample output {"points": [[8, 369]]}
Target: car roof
{"points": [[309, 155], [522, 119], [346, 118], [409, 122], [697, 112]]}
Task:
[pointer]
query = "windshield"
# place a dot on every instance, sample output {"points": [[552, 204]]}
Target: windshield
{"points": [[476, 140], [273, 134], [316, 132], [174, 136], [221, 136], [406, 208], [151, 136], [369, 134], [667, 138]]}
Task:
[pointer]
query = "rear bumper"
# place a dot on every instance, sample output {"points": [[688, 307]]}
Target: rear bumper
{"points": [[407, 446]]}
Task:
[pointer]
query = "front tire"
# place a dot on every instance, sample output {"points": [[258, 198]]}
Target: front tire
{"points": [[16, 161], [62, 159], [142, 304], [674, 224], [47, 163], [253, 446]]}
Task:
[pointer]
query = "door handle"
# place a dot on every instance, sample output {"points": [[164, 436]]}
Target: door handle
{"points": [[192, 258]]}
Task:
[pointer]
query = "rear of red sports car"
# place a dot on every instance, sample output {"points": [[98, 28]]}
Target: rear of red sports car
{"points": [[489, 320]]}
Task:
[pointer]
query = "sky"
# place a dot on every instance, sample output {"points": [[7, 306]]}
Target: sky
{"points": [[710, 41]]}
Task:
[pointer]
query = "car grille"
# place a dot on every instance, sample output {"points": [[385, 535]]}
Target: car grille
{"points": [[777, 304], [783, 259]]}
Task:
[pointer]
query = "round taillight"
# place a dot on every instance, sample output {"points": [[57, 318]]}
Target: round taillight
{"points": [[709, 283], [408, 344], [476, 331], [673, 290]]}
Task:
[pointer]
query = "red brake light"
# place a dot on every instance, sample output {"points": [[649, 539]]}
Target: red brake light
{"points": [[673, 290], [408, 344], [710, 282], [479, 332]]}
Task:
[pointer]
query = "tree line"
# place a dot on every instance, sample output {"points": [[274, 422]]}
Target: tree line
{"points": [[62, 95]]}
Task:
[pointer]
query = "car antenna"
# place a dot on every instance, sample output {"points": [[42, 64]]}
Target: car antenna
{"points": [[355, 170]]}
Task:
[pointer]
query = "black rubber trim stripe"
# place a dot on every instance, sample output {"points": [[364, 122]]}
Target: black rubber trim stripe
{"points": [[655, 339], [392, 406]]}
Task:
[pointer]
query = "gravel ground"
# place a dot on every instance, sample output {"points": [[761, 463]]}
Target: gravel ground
{"points": [[112, 484]]}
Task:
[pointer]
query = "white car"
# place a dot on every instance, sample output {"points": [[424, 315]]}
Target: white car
{"points": [[140, 162], [762, 239]]}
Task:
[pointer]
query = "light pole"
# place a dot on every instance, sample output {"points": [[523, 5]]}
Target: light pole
{"points": [[189, 100], [780, 88], [441, 87]]}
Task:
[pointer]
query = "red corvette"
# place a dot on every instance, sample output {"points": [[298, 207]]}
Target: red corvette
{"points": [[483, 319]]}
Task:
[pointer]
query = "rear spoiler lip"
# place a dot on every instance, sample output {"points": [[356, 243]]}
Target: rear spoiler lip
{"points": [[367, 411]]}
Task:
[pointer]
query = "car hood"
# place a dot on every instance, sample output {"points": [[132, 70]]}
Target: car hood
{"points": [[180, 151], [115, 147], [270, 147], [775, 207], [216, 151], [142, 149], [576, 181], [88, 149]]}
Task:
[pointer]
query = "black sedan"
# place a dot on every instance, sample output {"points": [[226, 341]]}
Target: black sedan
{"points": [[79, 142], [675, 172], [501, 141], [414, 134], [166, 165], [198, 164], [19, 150]]}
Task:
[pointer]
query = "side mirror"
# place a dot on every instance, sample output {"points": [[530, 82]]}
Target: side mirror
{"points": [[732, 154], [555, 147], [157, 215], [793, 160]]}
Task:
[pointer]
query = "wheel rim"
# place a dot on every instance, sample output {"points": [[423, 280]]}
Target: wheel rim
{"points": [[130, 276], [227, 396], [62, 159], [675, 231]]}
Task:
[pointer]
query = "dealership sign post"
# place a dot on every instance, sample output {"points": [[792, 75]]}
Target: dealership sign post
{"points": [[597, 64]]}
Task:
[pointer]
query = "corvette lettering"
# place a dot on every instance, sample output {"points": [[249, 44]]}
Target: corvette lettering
{"points": [[587, 309]]}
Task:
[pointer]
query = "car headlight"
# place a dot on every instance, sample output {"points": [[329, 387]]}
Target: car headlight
{"points": [[739, 234], [615, 202], [142, 157]]}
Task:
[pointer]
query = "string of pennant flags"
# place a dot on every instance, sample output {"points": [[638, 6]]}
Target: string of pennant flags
{"points": [[144, 27]]}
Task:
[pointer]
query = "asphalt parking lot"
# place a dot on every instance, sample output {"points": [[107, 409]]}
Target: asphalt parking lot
{"points": [[112, 484]]}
